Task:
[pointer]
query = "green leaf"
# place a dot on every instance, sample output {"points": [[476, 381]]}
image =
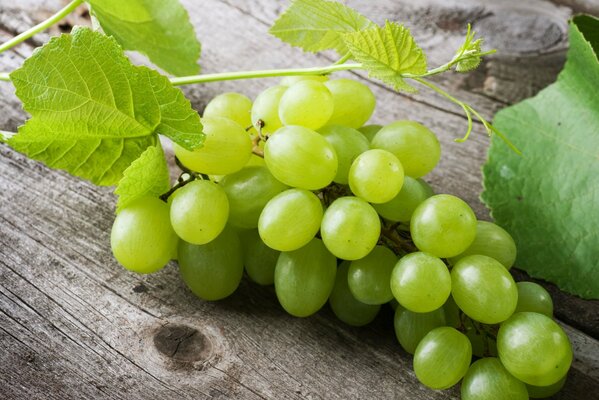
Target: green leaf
{"points": [[548, 199], [158, 28], [469, 52], [93, 112], [146, 176], [387, 53], [317, 25]]}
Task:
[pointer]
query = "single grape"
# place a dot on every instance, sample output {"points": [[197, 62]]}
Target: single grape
{"points": [[534, 298], [290, 80], [199, 211], [350, 228], [420, 282], [487, 379], [290, 219], [301, 158], [304, 278], [307, 103], [370, 130], [233, 106], [348, 144], [411, 327], [493, 241], [534, 348], [266, 109], [542, 392], [442, 358], [212, 271], [484, 289], [142, 239], [227, 148], [248, 191], [345, 306], [401, 207], [259, 259], [255, 160], [354, 102], [376, 176], [443, 225], [368, 277], [413, 144]]}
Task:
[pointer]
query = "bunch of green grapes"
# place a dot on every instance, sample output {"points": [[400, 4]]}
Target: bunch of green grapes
{"points": [[297, 191]]}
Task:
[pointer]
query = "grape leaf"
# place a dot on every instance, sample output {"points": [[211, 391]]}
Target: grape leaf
{"points": [[548, 199], [317, 25], [387, 53], [470, 47], [158, 28], [93, 112], [146, 176]]}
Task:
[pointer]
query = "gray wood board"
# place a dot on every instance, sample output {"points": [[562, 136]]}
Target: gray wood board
{"points": [[76, 325]]}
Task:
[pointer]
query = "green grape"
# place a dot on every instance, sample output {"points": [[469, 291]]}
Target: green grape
{"points": [[376, 176], [427, 188], [212, 271], [493, 241], [542, 392], [290, 219], [300, 157], [142, 238], [256, 161], [442, 358], [348, 144], [487, 379], [443, 225], [248, 191], [304, 278], [354, 102], [534, 349], [344, 304], [401, 207], [483, 289], [483, 344], [368, 277], [370, 130], [413, 144], [259, 259], [411, 327], [307, 103], [290, 80], [199, 211], [420, 282], [452, 313], [227, 148], [534, 298], [350, 228], [233, 106], [266, 109]]}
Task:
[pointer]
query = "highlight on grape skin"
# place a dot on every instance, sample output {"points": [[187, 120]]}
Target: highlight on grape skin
{"points": [[328, 208]]}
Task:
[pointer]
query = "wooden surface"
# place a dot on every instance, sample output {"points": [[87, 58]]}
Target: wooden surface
{"points": [[73, 324]]}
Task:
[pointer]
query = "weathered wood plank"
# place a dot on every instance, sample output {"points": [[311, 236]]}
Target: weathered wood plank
{"points": [[73, 324]]}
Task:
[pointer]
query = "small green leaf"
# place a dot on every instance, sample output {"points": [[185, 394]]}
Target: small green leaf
{"points": [[158, 28], [317, 25], [548, 199], [469, 52], [92, 112], [387, 53], [146, 176]]}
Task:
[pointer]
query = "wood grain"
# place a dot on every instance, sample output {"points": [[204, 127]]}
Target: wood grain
{"points": [[74, 324]]}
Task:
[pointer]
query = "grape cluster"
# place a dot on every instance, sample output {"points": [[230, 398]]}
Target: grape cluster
{"points": [[294, 189]]}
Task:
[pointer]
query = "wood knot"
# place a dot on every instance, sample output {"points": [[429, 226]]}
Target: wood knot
{"points": [[515, 29], [182, 343]]}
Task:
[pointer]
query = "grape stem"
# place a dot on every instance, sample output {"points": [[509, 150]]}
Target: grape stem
{"points": [[38, 28]]}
